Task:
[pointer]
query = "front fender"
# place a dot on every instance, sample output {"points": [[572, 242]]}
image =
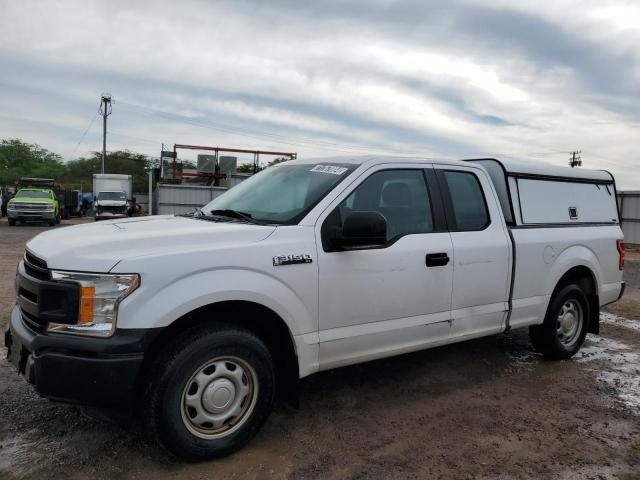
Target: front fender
{"points": [[154, 306]]}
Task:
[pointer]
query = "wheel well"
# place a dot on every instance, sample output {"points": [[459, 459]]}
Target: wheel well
{"points": [[584, 278], [267, 325]]}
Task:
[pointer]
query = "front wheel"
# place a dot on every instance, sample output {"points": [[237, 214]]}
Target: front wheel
{"points": [[211, 393], [12, 223], [565, 324]]}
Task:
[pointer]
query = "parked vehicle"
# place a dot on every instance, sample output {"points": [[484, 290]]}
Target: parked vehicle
{"points": [[36, 200], [7, 194], [113, 195], [71, 201], [196, 321]]}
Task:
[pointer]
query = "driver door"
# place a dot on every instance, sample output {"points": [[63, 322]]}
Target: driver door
{"points": [[389, 299]]}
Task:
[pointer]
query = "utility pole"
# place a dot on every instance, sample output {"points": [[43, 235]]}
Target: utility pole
{"points": [[576, 159], [105, 111]]}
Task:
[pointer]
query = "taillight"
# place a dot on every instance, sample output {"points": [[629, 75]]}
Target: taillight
{"points": [[620, 247]]}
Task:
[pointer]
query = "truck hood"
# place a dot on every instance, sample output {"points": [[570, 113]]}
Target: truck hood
{"points": [[98, 247], [16, 201]]}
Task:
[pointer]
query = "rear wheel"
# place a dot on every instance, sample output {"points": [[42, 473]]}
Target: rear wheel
{"points": [[565, 324], [211, 393]]}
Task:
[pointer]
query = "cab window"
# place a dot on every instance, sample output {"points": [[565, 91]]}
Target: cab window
{"points": [[469, 206], [400, 196]]}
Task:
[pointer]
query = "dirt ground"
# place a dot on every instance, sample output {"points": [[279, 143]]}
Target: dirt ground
{"points": [[488, 408]]}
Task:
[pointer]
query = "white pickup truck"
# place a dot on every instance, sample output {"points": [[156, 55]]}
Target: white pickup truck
{"points": [[196, 321]]}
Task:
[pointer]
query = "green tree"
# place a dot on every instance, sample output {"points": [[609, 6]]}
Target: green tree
{"points": [[122, 161], [248, 167], [19, 159], [245, 168], [278, 160]]}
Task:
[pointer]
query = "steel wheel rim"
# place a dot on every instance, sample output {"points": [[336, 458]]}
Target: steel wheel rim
{"points": [[219, 397], [569, 323]]}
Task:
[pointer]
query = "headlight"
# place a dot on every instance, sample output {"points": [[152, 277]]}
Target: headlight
{"points": [[48, 208], [100, 296], [12, 206]]}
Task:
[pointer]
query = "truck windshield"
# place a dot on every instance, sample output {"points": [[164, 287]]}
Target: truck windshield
{"points": [[282, 194], [33, 194], [112, 196]]}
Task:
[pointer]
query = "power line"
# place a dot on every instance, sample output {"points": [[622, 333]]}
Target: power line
{"points": [[320, 144], [93, 119], [127, 135]]}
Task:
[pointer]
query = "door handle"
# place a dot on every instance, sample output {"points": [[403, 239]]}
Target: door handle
{"points": [[437, 259]]}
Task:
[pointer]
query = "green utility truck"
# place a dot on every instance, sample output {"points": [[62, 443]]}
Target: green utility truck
{"points": [[35, 200]]}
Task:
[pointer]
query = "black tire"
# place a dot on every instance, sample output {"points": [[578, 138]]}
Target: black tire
{"points": [[12, 223], [58, 217], [172, 381], [560, 337]]}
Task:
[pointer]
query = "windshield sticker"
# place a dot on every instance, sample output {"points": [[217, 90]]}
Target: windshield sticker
{"points": [[329, 169]]}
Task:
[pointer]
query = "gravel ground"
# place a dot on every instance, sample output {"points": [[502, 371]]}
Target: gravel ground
{"points": [[488, 408]]}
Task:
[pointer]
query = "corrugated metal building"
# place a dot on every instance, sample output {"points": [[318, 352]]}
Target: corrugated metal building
{"points": [[184, 198], [143, 200], [178, 199], [629, 206]]}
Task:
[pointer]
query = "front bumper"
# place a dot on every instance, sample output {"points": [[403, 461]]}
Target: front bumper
{"points": [[100, 372], [29, 215], [105, 215]]}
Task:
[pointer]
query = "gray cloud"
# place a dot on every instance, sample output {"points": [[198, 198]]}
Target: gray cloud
{"points": [[417, 77]]}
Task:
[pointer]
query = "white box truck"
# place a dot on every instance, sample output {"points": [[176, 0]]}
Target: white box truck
{"points": [[196, 321], [112, 195]]}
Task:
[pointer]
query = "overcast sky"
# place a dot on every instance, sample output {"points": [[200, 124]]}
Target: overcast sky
{"points": [[526, 79]]}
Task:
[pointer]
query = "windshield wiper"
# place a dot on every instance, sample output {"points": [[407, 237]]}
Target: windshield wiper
{"points": [[236, 214]]}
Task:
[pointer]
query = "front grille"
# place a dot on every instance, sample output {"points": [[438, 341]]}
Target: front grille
{"points": [[30, 206], [35, 266], [32, 297], [42, 300], [33, 322], [112, 209]]}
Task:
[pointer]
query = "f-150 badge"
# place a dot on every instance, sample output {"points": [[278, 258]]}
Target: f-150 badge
{"points": [[291, 259]]}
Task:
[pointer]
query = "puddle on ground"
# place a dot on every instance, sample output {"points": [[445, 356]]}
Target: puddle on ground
{"points": [[622, 363], [20, 453], [611, 319], [617, 367]]}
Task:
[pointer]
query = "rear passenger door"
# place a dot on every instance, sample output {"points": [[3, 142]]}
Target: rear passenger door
{"points": [[481, 251]]}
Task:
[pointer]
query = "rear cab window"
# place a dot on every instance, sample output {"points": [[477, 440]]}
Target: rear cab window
{"points": [[468, 204]]}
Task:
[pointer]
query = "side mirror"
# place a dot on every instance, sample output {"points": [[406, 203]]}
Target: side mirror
{"points": [[362, 229]]}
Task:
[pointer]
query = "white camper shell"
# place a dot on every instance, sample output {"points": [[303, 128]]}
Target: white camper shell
{"points": [[545, 195]]}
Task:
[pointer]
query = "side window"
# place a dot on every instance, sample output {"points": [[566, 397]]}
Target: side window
{"points": [[399, 195], [469, 206]]}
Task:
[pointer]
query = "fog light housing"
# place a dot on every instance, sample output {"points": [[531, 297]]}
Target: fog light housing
{"points": [[100, 295]]}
